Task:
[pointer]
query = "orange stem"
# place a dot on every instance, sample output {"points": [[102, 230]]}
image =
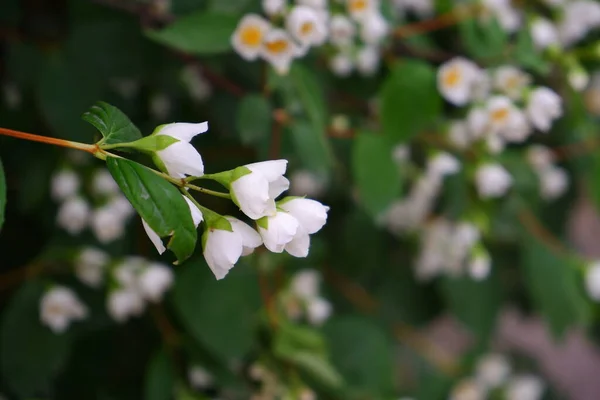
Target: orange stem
{"points": [[453, 17], [90, 148]]}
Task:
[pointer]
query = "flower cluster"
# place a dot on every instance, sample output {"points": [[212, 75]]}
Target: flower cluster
{"points": [[59, 307], [303, 298], [355, 29], [554, 180], [102, 208], [493, 378]]}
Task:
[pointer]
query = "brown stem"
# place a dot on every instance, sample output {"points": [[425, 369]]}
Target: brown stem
{"points": [[90, 148], [442, 21]]}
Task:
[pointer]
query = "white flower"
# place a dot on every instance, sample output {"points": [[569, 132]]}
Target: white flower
{"points": [[197, 85], [250, 238], [543, 107], [318, 310], [103, 183], [65, 184], [341, 31], [316, 4], [157, 241], [492, 180], [341, 64], [511, 81], [443, 164], [107, 224], [121, 206], [154, 281], [579, 17], [199, 377], [477, 122], [539, 157], [456, 79], [306, 25], [373, 28], [248, 38], [306, 183], [277, 230], [492, 370], [257, 187], [359, 9], [544, 33], [160, 106], [311, 214], [59, 306], [592, 280], [525, 387], [459, 135], [125, 303], [127, 271], [181, 158], [305, 283], [467, 389], [274, 7], [480, 266], [554, 181], [90, 265], [578, 78], [507, 120], [367, 60], [74, 215], [222, 250], [279, 50], [508, 17]]}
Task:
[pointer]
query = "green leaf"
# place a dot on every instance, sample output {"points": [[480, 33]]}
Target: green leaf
{"points": [[552, 282], [198, 33], [375, 173], [475, 303], [310, 94], [312, 147], [158, 202], [114, 126], [2, 195], [527, 55], [483, 40], [31, 354], [318, 368], [229, 6], [221, 315], [254, 119], [410, 100], [362, 353], [160, 378]]}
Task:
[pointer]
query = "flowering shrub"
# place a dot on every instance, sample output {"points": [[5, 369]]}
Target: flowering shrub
{"points": [[289, 199]]}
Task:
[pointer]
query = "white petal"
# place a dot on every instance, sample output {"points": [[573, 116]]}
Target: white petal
{"points": [[154, 238], [252, 194], [250, 238], [311, 214], [272, 170], [299, 245], [222, 250], [278, 186], [197, 216], [282, 228], [182, 158], [182, 130]]}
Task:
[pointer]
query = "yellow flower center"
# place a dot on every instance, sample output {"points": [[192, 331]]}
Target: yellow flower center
{"points": [[499, 115], [306, 28], [357, 5], [277, 46], [251, 36], [452, 77]]}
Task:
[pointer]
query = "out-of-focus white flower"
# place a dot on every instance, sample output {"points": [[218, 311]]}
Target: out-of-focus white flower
{"points": [[160, 106], [539, 157], [121, 206], [248, 38], [307, 26], [511, 81], [459, 135], [306, 183], [480, 266], [508, 17], [277, 230], [199, 377], [554, 181], [318, 310], [12, 95], [544, 33], [73, 215], [492, 370], [222, 250], [279, 50], [467, 389], [341, 64], [492, 180], [127, 271], [578, 18], [107, 224], [443, 164], [305, 283], [456, 79], [65, 184], [367, 60], [525, 387], [578, 78], [250, 238], [316, 4], [255, 187], [197, 217], [543, 107], [507, 120], [592, 280], [154, 281], [341, 30], [123, 304], [197, 85], [90, 265], [180, 158], [374, 28], [400, 154], [274, 7], [103, 183], [360, 9], [59, 306]]}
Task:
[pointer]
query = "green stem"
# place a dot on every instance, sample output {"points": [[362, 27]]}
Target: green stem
{"points": [[208, 191]]}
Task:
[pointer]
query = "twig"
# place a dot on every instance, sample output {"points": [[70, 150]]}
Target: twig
{"points": [[442, 21]]}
